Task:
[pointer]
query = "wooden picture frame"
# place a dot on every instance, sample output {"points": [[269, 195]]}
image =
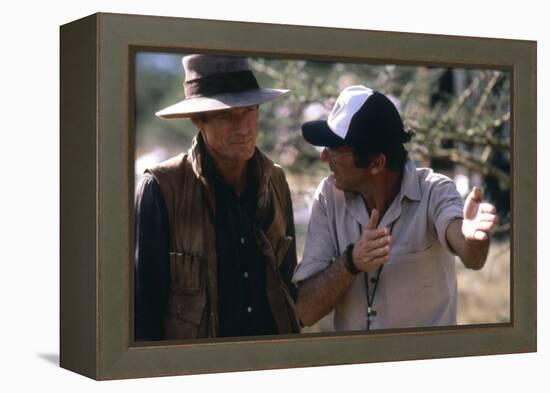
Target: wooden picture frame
{"points": [[97, 164]]}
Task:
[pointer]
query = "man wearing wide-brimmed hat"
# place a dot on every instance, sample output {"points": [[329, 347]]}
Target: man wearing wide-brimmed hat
{"points": [[383, 235], [215, 247]]}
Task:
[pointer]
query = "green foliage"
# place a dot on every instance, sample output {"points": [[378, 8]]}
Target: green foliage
{"points": [[461, 116]]}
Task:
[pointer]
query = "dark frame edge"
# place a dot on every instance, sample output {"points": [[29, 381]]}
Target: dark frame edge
{"points": [[289, 25], [524, 197], [78, 197]]}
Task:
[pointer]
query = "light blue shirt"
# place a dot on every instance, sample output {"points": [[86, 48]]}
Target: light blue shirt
{"points": [[417, 286]]}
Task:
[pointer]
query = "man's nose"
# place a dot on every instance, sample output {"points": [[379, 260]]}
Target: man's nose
{"points": [[241, 124]]}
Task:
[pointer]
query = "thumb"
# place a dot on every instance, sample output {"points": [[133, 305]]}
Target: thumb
{"points": [[475, 195], [373, 221], [472, 202]]}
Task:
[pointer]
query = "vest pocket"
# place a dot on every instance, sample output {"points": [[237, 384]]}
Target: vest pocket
{"points": [[186, 271], [186, 309], [188, 299]]}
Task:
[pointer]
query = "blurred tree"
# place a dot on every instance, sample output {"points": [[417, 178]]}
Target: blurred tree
{"points": [[461, 116]]}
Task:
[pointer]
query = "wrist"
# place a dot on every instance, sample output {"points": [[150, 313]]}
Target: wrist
{"points": [[348, 261]]}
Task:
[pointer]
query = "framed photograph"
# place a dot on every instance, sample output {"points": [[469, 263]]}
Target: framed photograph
{"points": [[470, 101]]}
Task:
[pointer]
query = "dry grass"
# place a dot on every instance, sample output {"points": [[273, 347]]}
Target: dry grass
{"points": [[484, 295]]}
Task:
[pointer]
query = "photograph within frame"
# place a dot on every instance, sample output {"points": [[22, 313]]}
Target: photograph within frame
{"points": [[470, 108], [96, 338]]}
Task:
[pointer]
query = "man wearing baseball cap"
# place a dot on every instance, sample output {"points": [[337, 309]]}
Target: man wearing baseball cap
{"points": [[383, 234], [215, 247]]}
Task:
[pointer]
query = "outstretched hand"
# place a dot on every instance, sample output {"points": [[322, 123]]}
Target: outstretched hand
{"points": [[479, 217], [373, 247]]}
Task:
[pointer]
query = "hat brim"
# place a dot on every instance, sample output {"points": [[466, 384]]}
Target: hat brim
{"points": [[191, 106], [318, 133]]}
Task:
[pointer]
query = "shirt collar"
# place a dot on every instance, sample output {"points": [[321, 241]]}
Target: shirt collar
{"points": [[410, 188], [260, 168], [410, 185]]}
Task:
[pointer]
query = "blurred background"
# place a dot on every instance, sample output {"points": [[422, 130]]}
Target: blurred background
{"points": [[461, 118]]}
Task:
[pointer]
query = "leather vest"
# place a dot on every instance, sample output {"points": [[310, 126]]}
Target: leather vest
{"points": [[192, 310]]}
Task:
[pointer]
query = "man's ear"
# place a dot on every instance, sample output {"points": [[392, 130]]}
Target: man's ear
{"points": [[377, 163]]}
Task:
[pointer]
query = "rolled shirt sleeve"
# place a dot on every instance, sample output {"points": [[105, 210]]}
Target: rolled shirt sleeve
{"points": [[446, 205], [320, 248]]}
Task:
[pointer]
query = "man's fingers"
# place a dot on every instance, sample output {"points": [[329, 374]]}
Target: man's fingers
{"points": [[373, 234], [487, 217], [365, 247], [487, 208], [480, 235], [377, 243], [378, 252], [373, 221], [488, 221], [485, 226]]}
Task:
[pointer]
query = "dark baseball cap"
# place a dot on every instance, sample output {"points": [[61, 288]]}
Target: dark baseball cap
{"points": [[359, 116]]}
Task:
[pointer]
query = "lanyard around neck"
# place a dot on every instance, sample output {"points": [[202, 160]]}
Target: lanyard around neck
{"points": [[370, 299]]}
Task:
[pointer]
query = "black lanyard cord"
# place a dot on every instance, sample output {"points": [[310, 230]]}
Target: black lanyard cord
{"points": [[370, 299]]}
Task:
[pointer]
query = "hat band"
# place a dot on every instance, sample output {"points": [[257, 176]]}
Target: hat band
{"points": [[230, 82]]}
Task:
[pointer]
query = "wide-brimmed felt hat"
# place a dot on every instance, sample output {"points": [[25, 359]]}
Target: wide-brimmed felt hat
{"points": [[360, 116], [218, 82]]}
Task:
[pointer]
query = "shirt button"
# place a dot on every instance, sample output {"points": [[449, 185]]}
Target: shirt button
{"points": [[242, 240], [245, 274], [249, 309]]}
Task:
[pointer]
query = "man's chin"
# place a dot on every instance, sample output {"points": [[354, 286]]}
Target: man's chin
{"points": [[342, 186], [338, 184], [243, 155]]}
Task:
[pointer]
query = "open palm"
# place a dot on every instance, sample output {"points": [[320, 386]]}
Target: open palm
{"points": [[479, 217]]}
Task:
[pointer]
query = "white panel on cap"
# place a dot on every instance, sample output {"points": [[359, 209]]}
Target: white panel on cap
{"points": [[348, 103]]}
